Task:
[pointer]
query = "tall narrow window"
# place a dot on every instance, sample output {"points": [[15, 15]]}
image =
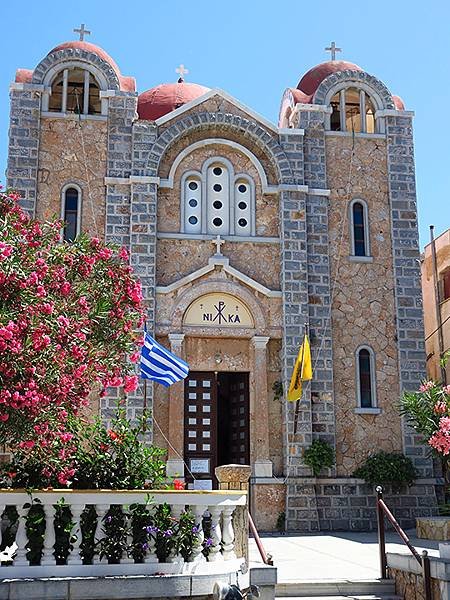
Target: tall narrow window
{"points": [[335, 122], [71, 214], [352, 110], [359, 229], [218, 199], [242, 207], [365, 373], [192, 204]]}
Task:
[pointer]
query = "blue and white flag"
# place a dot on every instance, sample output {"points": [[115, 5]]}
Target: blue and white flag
{"points": [[159, 364]]}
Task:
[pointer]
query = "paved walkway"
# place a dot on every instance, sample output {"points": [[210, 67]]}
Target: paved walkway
{"points": [[332, 555]]}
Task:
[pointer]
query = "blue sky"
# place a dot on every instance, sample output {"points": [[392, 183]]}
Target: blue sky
{"points": [[254, 50]]}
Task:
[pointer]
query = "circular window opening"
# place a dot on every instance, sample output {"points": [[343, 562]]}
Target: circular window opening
{"points": [[242, 188], [193, 202], [217, 187], [217, 171], [242, 222], [193, 220], [217, 204], [242, 205], [217, 222], [193, 185]]}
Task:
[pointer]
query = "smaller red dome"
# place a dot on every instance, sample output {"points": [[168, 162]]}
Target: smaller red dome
{"points": [[166, 97], [309, 83]]}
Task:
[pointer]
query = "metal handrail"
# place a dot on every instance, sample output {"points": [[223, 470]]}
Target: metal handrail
{"points": [[424, 560], [266, 558]]}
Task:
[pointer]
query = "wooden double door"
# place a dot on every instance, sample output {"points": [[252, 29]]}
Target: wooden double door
{"points": [[216, 424]]}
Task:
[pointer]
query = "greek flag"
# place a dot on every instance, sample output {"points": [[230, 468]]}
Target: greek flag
{"points": [[159, 364]]}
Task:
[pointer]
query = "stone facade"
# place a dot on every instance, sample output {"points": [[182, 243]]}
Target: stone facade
{"points": [[296, 271]]}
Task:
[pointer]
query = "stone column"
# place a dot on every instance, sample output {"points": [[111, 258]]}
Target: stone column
{"points": [[236, 477], [259, 410], [175, 463]]}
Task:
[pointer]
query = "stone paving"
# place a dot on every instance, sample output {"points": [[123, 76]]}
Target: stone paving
{"points": [[344, 556]]}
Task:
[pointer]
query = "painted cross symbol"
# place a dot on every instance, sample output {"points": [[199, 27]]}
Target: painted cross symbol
{"points": [[220, 308], [333, 49], [82, 31], [218, 243], [182, 71]]}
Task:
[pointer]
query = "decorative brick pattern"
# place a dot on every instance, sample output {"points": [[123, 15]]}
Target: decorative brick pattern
{"points": [[24, 145], [76, 54], [408, 292], [358, 76]]}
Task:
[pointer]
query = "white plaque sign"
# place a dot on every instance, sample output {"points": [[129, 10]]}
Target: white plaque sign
{"points": [[203, 484], [199, 465], [218, 310]]}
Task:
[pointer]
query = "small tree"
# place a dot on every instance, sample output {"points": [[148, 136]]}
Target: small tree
{"points": [[68, 320]]}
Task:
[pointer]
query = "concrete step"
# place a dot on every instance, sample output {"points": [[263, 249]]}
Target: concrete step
{"points": [[336, 588]]}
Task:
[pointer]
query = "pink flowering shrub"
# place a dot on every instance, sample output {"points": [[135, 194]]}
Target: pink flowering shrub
{"points": [[428, 412], [68, 320]]}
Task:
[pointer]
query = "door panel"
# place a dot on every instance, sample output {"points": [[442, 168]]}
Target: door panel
{"points": [[200, 425], [239, 430]]}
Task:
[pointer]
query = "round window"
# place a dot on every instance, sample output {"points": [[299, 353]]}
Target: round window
{"points": [[217, 171], [193, 220], [193, 202], [242, 188], [242, 205], [217, 222], [193, 185], [217, 204], [242, 222], [217, 187]]}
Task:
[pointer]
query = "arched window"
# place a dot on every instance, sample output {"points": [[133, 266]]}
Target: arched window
{"points": [[352, 111], [75, 90], [192, 204], [365, 375], [216, 201], [359, 228], [71, 211]]}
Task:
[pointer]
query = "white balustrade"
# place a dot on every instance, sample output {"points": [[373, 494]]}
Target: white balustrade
{"points": [[216, 534], [220, 505]]}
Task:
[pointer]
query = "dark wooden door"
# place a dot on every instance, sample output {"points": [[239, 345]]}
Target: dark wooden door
{"points": [[238, 398], [200, 427]]}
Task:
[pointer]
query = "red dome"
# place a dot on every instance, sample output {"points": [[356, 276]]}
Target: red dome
{"points": [[165, 98], [127, 84], [309, 83]]}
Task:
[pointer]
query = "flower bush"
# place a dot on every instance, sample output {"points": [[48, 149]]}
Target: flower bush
{"points": [[100, 458], [68, 320]]}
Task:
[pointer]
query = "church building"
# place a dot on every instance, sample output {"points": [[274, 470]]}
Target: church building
{"points": [[243, 233]]}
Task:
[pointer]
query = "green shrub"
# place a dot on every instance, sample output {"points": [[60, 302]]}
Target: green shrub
{"points": [[387, 468], [320, 455]]}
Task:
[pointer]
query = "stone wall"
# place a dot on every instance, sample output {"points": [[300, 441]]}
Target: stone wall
{"points": [[73, 151], [348, 504], [363, 301], [409, 586]]}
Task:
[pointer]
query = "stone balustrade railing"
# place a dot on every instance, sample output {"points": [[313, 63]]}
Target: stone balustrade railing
{"points": [[209, 513]]}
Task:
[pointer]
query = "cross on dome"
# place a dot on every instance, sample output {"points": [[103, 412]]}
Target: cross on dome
{"points": [[333, 49], [182, 71], [82, 31], [218, 243]]}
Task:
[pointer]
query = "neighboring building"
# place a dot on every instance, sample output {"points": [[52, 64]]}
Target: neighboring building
{"points": [[436, 304], [243, 231]]}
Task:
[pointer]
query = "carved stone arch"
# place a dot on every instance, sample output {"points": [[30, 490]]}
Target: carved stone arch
{"points": [[239, 126], [340, 78], [227, 287], [67, 55]]}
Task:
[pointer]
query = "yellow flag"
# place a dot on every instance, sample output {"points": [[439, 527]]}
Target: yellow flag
{"points": [[302, 371]]}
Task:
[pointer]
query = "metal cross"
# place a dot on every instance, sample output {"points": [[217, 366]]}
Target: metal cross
{"points": [[332, 49], [182, 71], [218, 242], [82, 31]]}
